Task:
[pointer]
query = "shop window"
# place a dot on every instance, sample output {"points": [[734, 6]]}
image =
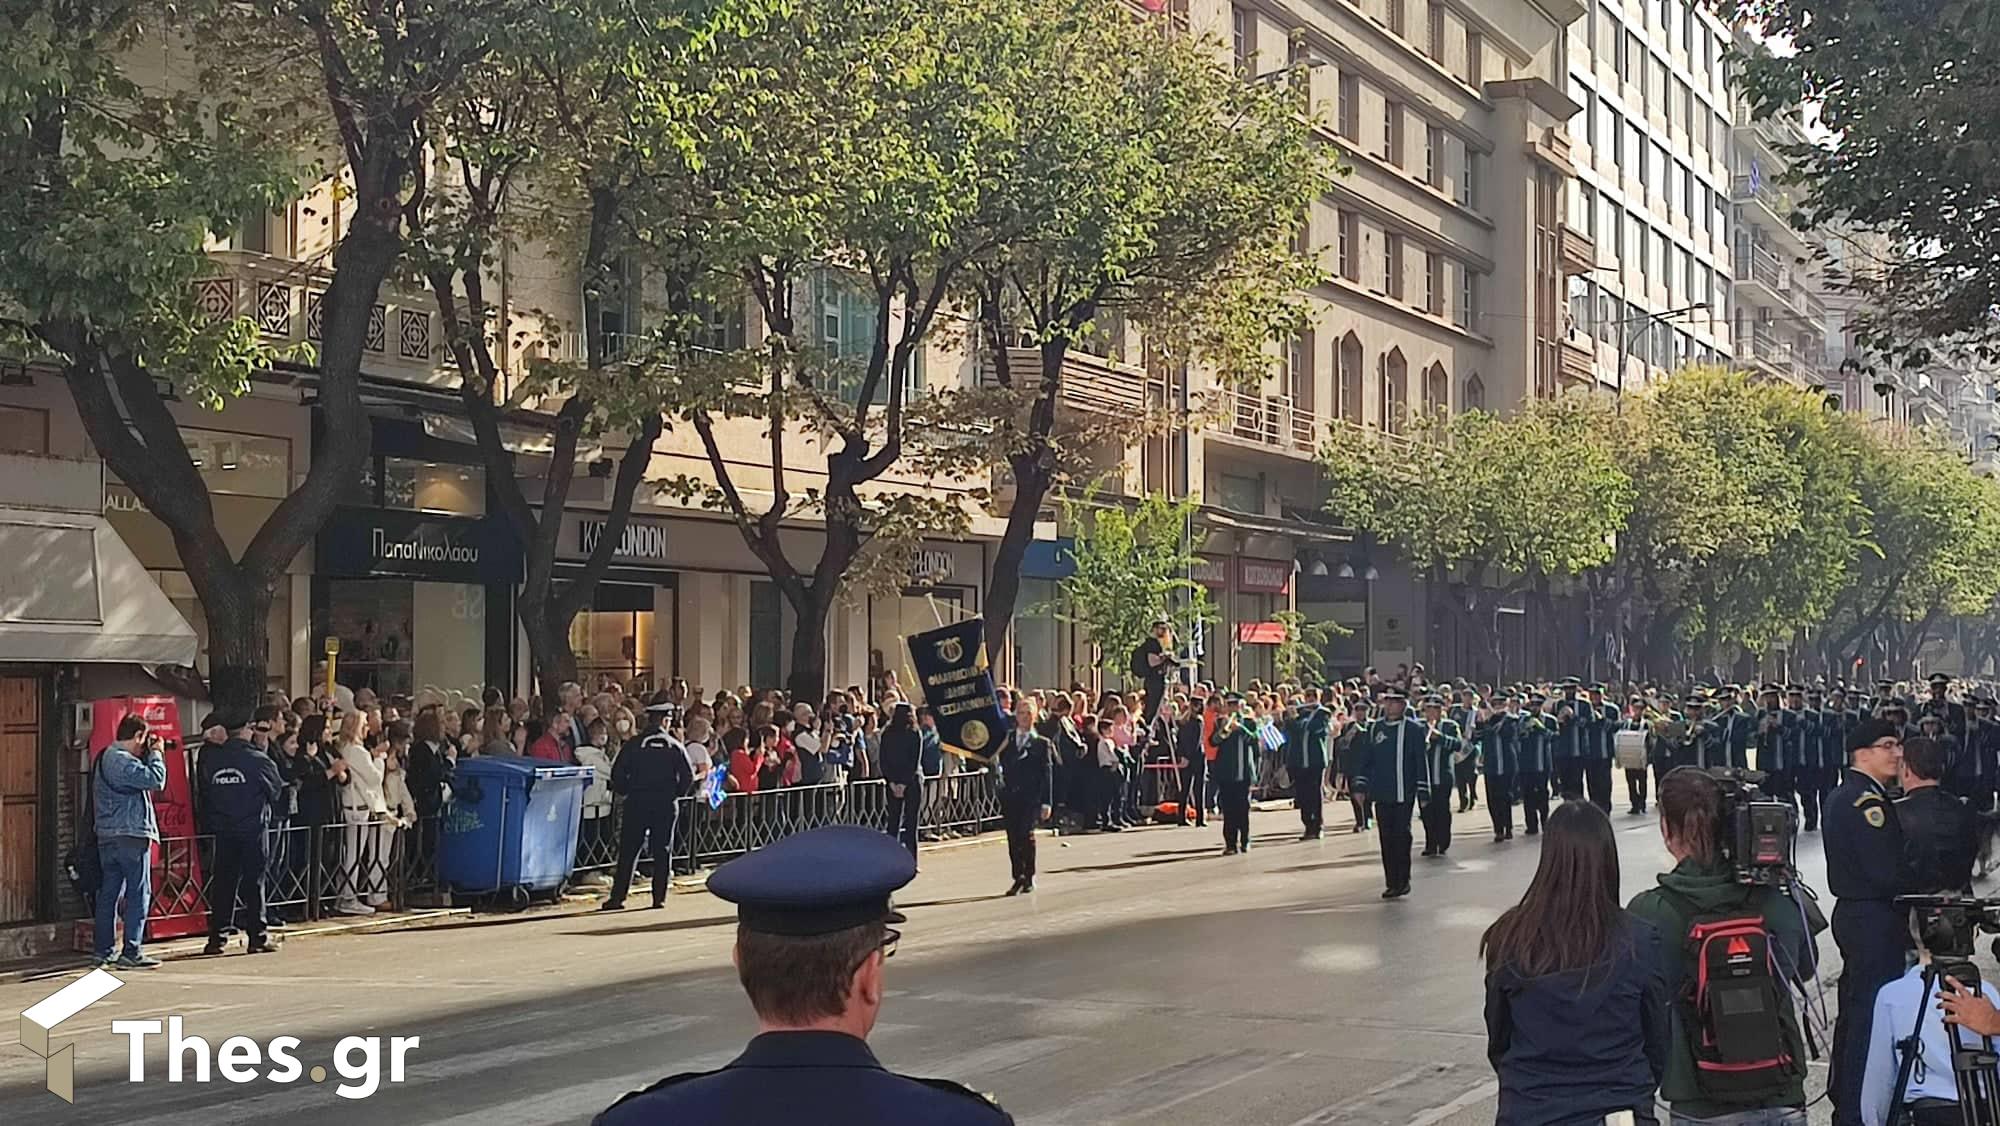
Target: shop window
{"points": [[24, 430], [1240, 494], [615, 637], [428, 486], [1036, 659], [398, 636], [250, 465]]}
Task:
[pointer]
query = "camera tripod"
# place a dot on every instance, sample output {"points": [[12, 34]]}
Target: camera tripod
{"points": [[1975, 1065]]}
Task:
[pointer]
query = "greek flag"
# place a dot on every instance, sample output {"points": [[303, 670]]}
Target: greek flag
{"points": [[1270, 736], [716, 787]]}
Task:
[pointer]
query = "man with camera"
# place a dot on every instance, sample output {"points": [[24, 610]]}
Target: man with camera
{"points": [[1864, 864], [1703, 911], [1911, 1069]]}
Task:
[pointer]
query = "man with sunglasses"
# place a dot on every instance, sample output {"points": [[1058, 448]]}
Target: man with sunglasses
{"points": [[814, 928], [1864, 853], [237, 787]]}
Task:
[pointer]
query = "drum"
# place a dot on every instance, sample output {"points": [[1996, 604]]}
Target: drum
{"points": [[1630, 750]]}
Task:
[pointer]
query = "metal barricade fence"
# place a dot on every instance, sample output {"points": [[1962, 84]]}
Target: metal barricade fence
{"points": [[316, 871]]}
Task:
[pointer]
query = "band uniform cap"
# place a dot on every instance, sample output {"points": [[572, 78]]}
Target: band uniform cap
{"points": [[817, 882], [1597, 686], [1938, 678], [659, 707], [1433, 701], [1392, 693], [1868, 731], [1795, 689], [1571, 682]]}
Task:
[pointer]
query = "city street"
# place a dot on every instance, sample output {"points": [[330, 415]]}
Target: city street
{"points": [[1149, 980]]}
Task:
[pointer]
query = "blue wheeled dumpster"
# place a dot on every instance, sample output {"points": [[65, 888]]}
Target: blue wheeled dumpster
{"points": [[511, 826]]}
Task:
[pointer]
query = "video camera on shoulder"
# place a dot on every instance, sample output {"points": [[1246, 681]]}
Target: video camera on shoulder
{"points": [[1759, 835]]}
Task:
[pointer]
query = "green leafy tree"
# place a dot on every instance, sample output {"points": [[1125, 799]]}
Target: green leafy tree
{"points": [[1904, 93], [110, 186], [1300, 657], [1484, 506], [1136, 182], [1132, 567]]}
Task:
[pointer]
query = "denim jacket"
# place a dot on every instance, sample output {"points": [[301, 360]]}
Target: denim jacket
{"points": [[122, 801]]}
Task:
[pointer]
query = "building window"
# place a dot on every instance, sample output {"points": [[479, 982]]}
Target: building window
{"points": [[1433, 153], [1394, 393], [1614, 138], [1348, 238], [1437, 389], [1240, 494], [1632, 63], [1396, 17], [1475, 58], [1434, 37], [24, 430], [1347, 405], [1349, 109], [1468, 298], [1474, 397], [1468, 179], [1299, 355], [1392, 133], [1392, 266], [1433, 284], [1243, 38]]}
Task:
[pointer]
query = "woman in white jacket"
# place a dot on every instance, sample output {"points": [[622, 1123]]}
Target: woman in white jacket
{"points": [[363, 847]]}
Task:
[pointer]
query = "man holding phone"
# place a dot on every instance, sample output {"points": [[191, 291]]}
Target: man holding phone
{"points": [[129, 772]]}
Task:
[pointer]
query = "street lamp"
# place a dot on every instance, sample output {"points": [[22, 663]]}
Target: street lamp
{"points": [[1647, 323]]}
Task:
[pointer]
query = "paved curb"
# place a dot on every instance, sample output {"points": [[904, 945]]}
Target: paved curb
{"points": [[577, 902]]}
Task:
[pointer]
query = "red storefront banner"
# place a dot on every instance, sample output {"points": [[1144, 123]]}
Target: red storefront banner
{"points": [[176, 908], [1260, 633]]}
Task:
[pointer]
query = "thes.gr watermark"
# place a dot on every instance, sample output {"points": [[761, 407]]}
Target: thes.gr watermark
{"points": [[361, 1063]]}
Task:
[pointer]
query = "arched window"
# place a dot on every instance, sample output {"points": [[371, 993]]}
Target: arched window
{"points": [[1395, 391], [1347, 404], [1474, 397], [1437, 389]]}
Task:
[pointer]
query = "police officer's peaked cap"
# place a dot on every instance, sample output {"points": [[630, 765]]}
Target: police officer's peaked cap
{"points": [[817, 882], [228, 721]]}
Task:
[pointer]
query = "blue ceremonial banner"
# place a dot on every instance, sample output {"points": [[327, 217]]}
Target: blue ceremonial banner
{"points": [[957, 684]]}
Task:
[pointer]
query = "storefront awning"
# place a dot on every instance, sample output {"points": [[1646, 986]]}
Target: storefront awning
{"points": [[72, 592]]}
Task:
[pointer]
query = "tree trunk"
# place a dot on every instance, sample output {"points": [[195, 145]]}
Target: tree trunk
{"points": [[806, 682], [1032, 481], [238, 613], [549, 653]]}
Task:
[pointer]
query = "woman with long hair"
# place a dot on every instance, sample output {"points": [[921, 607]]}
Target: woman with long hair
{"points": [[1576, 1002]]}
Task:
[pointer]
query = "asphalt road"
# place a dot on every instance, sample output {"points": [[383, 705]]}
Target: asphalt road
{"points": [[1149, 980]]}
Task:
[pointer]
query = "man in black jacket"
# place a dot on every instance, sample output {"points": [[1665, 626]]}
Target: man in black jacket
{"points": [[652, 773], [1026, 784], [237, 786]]}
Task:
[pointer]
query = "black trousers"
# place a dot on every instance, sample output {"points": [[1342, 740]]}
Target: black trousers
{"points": [[1156, 694], [1020, 819], [1235, 814], [1308, 793], [905, 813], [240, 860], [1635, 789], [1467, 774], [1808, 782], [1392, 828], [1194, 786], [1110, 792], [643, 818], [1500, 803], [1534, 801], [1437, 822], [1871, 939], [1597, 781], [1569, 778]]}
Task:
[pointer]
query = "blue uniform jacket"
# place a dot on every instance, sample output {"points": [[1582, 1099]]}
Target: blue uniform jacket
{"points": [[1027, 769], [1737, 726], [1236, 751], [1445, 744], [1306, 739], [1392, 760], [1499, 742], [1537, 736], [1775, 746], [1833, 729], [785, 1078], [1863, 841], [236, 785], [1572, 733]]}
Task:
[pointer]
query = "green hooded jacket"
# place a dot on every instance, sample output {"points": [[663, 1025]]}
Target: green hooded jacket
{"points": [[1692, 890]]}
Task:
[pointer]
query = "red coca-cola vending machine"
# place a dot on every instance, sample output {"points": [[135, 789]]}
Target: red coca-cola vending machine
{"points": [[177, 908]]}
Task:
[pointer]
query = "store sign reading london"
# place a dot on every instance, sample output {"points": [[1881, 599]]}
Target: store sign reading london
{"points": [[640, 541]]}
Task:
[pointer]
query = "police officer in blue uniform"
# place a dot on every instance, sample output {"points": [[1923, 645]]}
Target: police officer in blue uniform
{"points": [[1393, 773], [652, 774], [236, 786], [811, 908], [1864, 856]]}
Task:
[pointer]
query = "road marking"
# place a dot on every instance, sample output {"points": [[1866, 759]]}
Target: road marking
{"points": [[1146, 1095], [974, 1067], [1333, 1112], [1471, 1097]]}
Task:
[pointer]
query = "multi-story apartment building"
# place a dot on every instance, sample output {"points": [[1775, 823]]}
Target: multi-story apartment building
{"points": [[1445, 247], [1653, 187]]}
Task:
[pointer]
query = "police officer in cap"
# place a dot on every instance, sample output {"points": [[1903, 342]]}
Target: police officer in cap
{"points": [[1864, 859], [237, 786], [651, 773], [814, 929]]}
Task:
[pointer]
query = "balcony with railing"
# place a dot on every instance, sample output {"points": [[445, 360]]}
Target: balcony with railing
{"points": [[1092, 384], [1776, 283], [1275, 422], [1577, 251], [283, 298], [1764, 348]]}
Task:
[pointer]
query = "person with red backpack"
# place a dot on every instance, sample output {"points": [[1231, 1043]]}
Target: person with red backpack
{"points": [[1733, 953]]}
